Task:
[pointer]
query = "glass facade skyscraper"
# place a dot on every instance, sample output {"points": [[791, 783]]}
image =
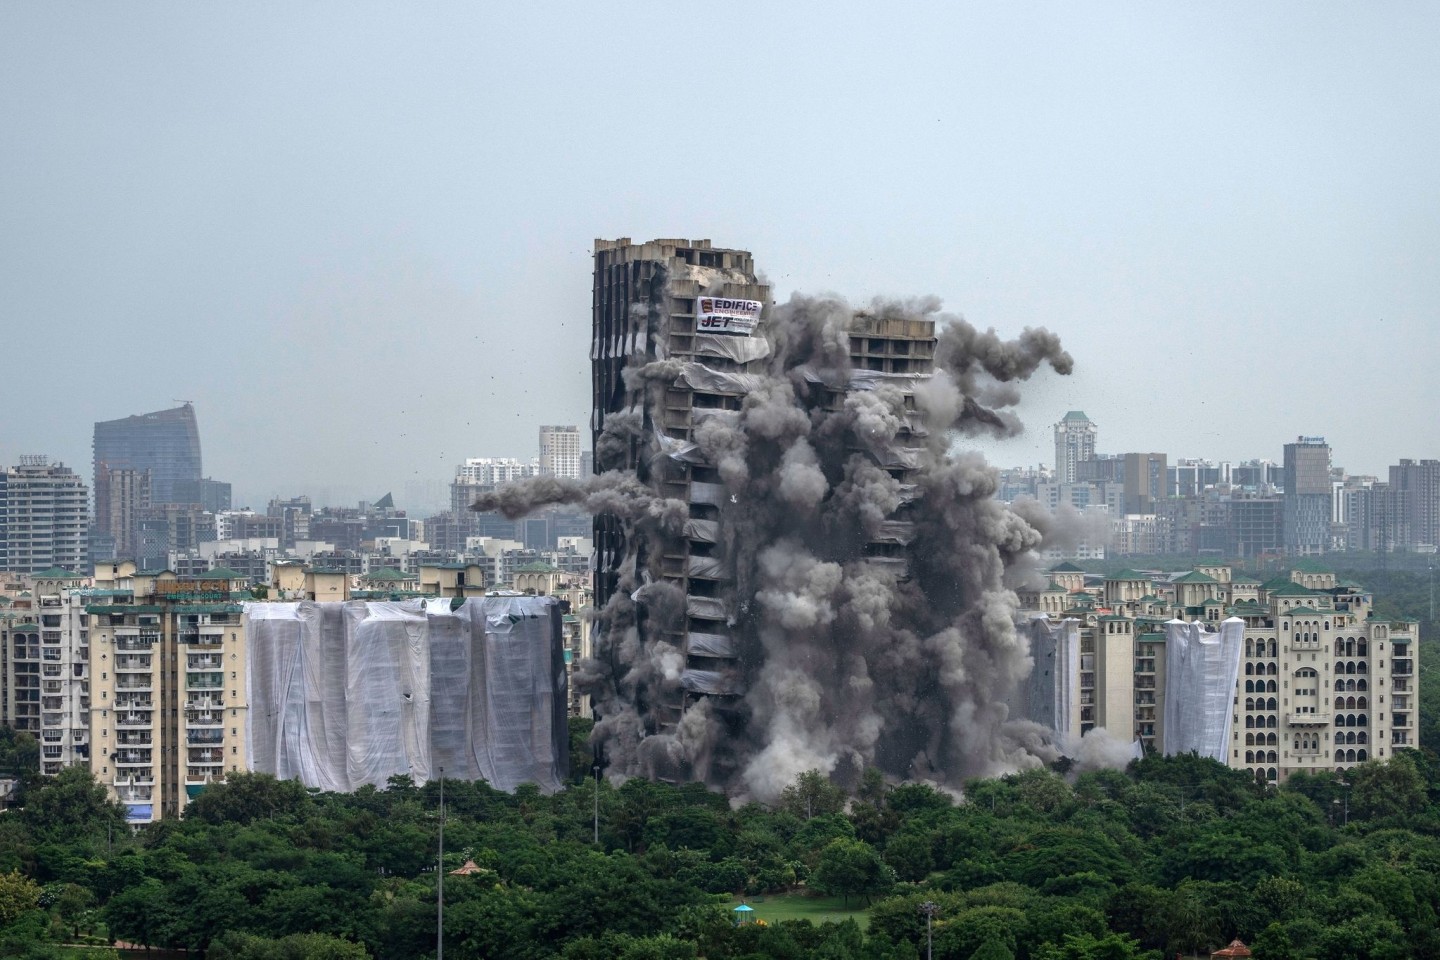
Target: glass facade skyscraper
{"points": [[166, 443]]}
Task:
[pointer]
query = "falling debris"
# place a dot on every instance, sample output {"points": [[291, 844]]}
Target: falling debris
{"points": [[794, 571]]}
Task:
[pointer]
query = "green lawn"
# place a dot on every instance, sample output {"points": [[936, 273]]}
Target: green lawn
{"points": [[804, 906]]}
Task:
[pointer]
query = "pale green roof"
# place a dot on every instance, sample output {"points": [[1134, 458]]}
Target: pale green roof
{"points": [[1293, 589], [1194, 576], [1066, 567], [223, 573], [1127, 575], [387, 574], [1306, 565], [56, 573], [536, 566]]}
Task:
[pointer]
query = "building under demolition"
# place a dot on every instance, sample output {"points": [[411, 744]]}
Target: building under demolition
{"points": [[792, 572]]}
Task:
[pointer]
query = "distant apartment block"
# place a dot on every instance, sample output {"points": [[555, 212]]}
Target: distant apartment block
{"points": [[1323, 682], [44, 517]]}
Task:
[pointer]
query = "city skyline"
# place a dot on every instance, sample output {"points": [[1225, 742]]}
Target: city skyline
{"points": [[298, 230]]}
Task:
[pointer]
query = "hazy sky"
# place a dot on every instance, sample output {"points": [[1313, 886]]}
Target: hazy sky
{"points": [[358, 236]]}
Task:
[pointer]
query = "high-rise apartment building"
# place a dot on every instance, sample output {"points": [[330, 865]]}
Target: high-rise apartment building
{"points": [[1074, 441], [122, 496], [166, 443], [1307, 496], [702, 308], [560, 452], [645, 305], [1414, 490], [44, 517], [1145, 480], [168, 695]]}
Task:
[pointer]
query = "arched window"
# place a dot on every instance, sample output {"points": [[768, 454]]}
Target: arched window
{"points": [[1362, 737], [1270, 704], [1249, 703], [1350, 738], [1271, 646], [1274, 669], [1339, 668], [1360, 755], [1349, 703], [1362, 667], [1273, 776], [1362, 685], [1339, 703], [1349, 685], [1270, 687], [1272, 757], [1270, 721], [1364, 721], [1339, 686], [1249, 721], [1249, 669], [1249, 756], [1349, 756], [1350, 647], [1271, 739], [1340, 757], [1249, 739], [1249, 686], [1339, 648], [1361, 703], [1362, 649]]}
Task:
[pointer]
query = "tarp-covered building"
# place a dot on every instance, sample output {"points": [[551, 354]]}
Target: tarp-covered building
{"points": [[1201, 667], [345, 694]]}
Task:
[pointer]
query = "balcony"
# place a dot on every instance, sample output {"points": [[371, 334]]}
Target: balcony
{"points": [[205, 758], [1308, 719], [198, 718], [132, 663], [205, 704], [204, 681], [132, 758], [205, 738], [136, 780], [143, 684], [1403, 668], [202, 663], [133, 721], [134, 702], [134, 740]]}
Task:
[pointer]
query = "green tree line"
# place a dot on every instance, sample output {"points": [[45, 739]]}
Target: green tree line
{"points": [[1173, 855]]}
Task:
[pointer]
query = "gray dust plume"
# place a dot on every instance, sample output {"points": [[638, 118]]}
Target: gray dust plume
{"points": [[862, 565]]}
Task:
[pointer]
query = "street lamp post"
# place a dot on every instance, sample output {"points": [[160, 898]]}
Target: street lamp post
{"points": [[440, 879], [929, 908]]}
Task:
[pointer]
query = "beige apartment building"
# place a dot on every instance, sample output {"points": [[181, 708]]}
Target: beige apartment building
{"points": [[1323, 683], [168, 691]]}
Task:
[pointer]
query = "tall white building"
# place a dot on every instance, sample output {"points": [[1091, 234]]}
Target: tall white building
{"points": [[560, 452], [1074, 441], [44, 517]]}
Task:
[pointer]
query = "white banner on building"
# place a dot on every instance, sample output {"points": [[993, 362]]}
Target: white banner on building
{"points": [[719, 315]]}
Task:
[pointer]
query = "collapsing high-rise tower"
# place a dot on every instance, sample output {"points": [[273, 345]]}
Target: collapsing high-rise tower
{"points": [[792, 572]]}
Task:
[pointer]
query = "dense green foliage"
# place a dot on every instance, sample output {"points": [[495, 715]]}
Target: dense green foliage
{"points": [[1174, 855]]}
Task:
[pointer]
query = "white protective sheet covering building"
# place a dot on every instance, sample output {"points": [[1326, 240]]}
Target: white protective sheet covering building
{"points": [[345, 694], [1047, 695], [1201, 667]]}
